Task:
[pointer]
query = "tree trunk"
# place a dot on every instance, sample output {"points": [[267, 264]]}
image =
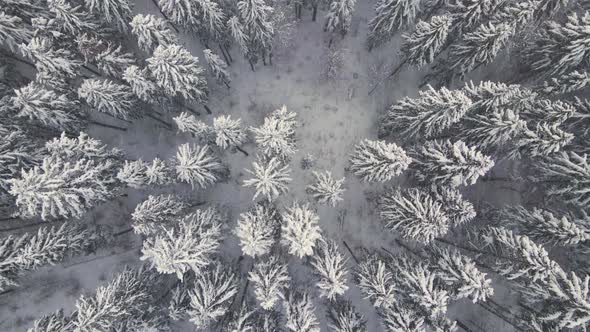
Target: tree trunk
{"points": [[107, 125], [15, 58], [350, 251], [165, 123], [8, 219], [226, 84], [330, 42], [314, 13], [242, 151], [251, 65], [224, 55], [228, 54], [463, 326], [270, 59], [125, 231], [264, 60], [207, 109], [166, 17], [95, 72]]}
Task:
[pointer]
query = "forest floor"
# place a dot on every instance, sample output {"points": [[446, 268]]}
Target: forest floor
{"points": [[333, 116]]}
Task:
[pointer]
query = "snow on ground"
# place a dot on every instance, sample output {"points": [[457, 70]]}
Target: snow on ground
{"points": [[333, 117]]}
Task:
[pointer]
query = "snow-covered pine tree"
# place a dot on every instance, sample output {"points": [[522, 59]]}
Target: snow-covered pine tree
{"points": [[236, 30], [458, 210], [339, 16], [178, 73], [63, 189], [326, 189], [49, 59], [300, 230], [46, 107], [81, 147], [271, 178], [183, 13], [140, 174], [550, 111], [378, 160], [258, 229], [54, 322], [48, 246], [300, 312], [228, 132], [560, 48], [13, 32], [276, 137], [471, 13], [518, 13], [479, 47], [152, 31], [198, 166], [344, 318], [449, 163], [114, 12], [242, 320], [256, 19], [156, 210], [109, 97], [330, 266], [218, 67], [492, 131], [545, 140], [375, 280], [461, 276], [414, 213], [423, 45], [401, 318], [72, 18], [17, 151], [159, 172], [545, 226], [269, 321], [210, 298], [112, 60], [566, 176], [270, 279], [567, 83], [488, 96], [426, 116], [188, 123], [188, 245], [141, 84], [390, 15]]}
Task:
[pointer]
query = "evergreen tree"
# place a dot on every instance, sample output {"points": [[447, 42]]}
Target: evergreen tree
{"points": [[344, 318], [243, 320], [158, 173], [228, 132], [155, 211], [390, 15], [414, 213], [152, 31], [271, 178], [471, 13], [378, 161], [276, 137], [141, 84], [46, 107], [183, 13], [49, 246], [112, 60], [299, 313], [178, 73], [187, 245], [326, 189], [554, 112], [330, 265], [258, 229], [62, 189], [459, 210], [447, 163], [300, 230], [517, 13], [399, 318], [13, 32], [545, 140], [80, 147], [211, 295], [49, 59], [270, 278], [197, 166], [236, 30], [50, 323], [218, 67], [424, 44], [567, 83], [109, 97], [375, 280], [256, 19], [17, 151], [139, 174], [114, 12], [494, 130], [73, 19], [428, 115], [339, 16], [488, 96], [188, 123]]}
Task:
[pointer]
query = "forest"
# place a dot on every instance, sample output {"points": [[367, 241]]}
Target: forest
{"points": [[294, 165]]}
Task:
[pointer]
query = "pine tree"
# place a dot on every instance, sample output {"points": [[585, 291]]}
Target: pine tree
{"points": [[183, 13], [567, 83], [398, 318], [378, 161], [271, 178], [112, 60], [152, 31], [46, 107], [424, 44], [276, 137], [258, 230], [256, 19], [551, 111], [517, 13], [545, 140], [414, 213], [211, 295], [12, 32], [488, 96], [114, 12], [187, 245], [236, 30], [141, 84], [458, 210], [344, 318], [50, 323], [81, 147], [139, 174], [299, 312], [270, 279], [243, 320], [375, 280], [72, 19], [447, 163], [155, 211], [49, 59], [462, 276], [546, 227], [49, 246], [62, 189], [218, 67], [428, 115], [330, 265], [471, 13], [228, 132], [188, 123], [567, 175], [197, 166], [109, 97], [326, 189], [300, 230], [390, 15], [339, 16], [178, 73], [17, 151], [492, 131]]}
